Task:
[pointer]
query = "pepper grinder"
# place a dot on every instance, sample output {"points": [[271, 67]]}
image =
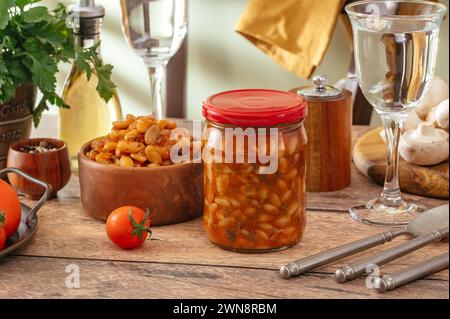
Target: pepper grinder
{"points": [[329, 129]]}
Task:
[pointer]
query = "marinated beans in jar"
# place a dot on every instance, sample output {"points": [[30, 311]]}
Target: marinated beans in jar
{"points": [[246, 209]]}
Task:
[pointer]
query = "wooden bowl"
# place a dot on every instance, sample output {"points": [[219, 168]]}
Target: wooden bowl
{"points": [[52, 167], [173, 194]]}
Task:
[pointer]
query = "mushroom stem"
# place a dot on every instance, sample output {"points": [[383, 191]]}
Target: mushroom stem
{"points": [[426, 145], [425, 129]]}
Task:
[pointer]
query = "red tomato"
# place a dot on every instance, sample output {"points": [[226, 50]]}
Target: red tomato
{"points": [[128, 227], [2, 232], [10, 205], [2, 239]]}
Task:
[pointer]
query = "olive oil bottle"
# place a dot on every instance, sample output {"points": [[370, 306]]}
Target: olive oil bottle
{"points": [[89, 115]]}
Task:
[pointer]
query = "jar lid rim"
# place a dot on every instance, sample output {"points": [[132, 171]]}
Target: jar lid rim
{"points": [[255, 107]]}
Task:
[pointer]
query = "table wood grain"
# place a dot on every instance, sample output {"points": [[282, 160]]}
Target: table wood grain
{"points": [[184, 264]]}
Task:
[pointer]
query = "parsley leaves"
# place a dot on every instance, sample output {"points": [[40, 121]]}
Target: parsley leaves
{"points": [[5, 5]]}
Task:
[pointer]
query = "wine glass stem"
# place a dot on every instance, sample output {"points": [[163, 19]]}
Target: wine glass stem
{"points": [[157, 75], [391, 195]]}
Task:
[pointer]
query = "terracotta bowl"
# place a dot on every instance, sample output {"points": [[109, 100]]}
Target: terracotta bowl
{"points": [[52, 167], [173, 194]]}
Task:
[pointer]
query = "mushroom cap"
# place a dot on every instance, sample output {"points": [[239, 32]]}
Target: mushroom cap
{"points": [[426, 145], [437, 92], [442, 114], [412, 121]]}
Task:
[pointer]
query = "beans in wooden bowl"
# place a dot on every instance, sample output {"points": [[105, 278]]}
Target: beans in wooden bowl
{"points": [[142, 141], [146, 163]]}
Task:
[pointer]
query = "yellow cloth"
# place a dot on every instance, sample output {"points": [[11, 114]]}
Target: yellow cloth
{"points": [[294, 33]]}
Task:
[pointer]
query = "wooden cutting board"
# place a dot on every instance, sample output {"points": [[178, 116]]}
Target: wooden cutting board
{"points": [[369, 156]]}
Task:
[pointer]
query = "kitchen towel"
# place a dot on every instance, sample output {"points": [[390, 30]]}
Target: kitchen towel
{"points": [[294, 33]]}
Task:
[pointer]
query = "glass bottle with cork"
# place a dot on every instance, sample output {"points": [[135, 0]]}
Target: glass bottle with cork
{"points": [[89, 115]]}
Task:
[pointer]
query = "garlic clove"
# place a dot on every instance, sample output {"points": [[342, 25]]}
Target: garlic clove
{"points": [[425, 145], [437, 92]]}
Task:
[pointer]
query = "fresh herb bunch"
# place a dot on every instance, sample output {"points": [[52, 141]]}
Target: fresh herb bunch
{"points": [[33, 40]]}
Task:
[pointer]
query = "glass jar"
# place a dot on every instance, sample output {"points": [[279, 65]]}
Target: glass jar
{"points": [[255, 170]]}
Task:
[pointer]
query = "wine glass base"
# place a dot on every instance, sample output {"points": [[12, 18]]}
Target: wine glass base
{"points": [[374, 213]]}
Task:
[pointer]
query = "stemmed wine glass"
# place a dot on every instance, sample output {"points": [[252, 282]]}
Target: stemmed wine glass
{"points": [[155, 29], [395, 53]]}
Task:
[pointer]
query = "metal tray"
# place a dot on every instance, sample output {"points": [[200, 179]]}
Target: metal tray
{"points": [[30, 221]]}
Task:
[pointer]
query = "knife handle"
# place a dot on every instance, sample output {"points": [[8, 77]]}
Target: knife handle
{"points": [[410, 274], [301, 266], [357, 269]]}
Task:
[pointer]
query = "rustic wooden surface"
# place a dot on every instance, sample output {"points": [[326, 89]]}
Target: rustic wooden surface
{"points": [[184, 264], [369, 155]]}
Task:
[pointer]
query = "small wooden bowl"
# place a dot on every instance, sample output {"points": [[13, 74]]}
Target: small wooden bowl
{"points": [[173, 194], [52, 167]]}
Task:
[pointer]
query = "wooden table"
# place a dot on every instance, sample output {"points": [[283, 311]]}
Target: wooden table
{"points": [[184, 264]]}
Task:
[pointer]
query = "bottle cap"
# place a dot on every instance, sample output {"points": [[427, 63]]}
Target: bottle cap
{"points": [[320, 89], [85, 18], [87, 9]]}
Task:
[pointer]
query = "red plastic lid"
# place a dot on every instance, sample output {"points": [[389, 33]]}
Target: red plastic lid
{"points": [[255, 107]]}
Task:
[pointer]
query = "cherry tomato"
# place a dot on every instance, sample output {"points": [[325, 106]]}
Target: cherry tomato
{"points": [[10, 205], [2, 232], [128, 227]]}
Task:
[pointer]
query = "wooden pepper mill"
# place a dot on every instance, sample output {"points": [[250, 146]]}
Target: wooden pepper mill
{"points": [[329, 129]]}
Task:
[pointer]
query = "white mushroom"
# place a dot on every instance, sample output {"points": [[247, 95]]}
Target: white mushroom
{"points": [[439, 115], [442, 114], [411, 122], [425, 145], [437, 92]]}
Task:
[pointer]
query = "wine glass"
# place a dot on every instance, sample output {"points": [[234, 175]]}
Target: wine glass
{"points": [[395, 53], [155, 29]]}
